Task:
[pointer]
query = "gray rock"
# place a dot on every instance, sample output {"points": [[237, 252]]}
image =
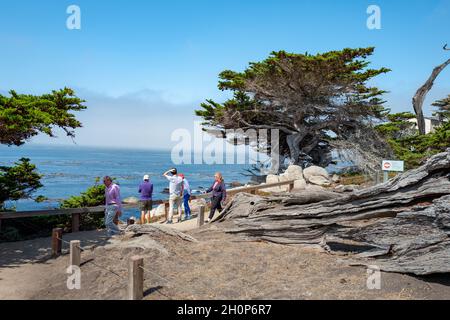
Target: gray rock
{"points": [[131, 200], [319, 181]]}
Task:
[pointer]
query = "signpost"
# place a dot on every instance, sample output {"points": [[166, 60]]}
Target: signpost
{"points": [[392, 166]]}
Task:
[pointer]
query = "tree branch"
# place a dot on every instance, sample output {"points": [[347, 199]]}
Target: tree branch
{"points": [[421, 94]]}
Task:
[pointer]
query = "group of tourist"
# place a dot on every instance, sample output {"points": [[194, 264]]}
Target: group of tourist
{"points": [[179, 196]]}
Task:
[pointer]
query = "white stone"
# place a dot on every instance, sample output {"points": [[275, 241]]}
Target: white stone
{"points": [[315, 171], [300, 184], [319, 181], [284, 177], [271, 178], [294, 172]]}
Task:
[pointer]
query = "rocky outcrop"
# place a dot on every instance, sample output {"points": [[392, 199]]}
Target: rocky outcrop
{"points": [[159, 211], [156, 230], [313, 175], [401, 226], [131, 200]]}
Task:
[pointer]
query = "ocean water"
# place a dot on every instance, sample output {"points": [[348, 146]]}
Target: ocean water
{"points": [[70, 170]]}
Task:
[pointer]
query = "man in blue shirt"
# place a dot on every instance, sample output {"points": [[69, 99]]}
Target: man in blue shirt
{"points": [[146, 203], [186, 197]]}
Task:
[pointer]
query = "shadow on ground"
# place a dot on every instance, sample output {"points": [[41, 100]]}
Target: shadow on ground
{"points": [[14, 254]]}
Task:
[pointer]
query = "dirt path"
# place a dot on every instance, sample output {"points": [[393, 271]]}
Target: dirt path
{"points": [[26, 266], [218, 266]]}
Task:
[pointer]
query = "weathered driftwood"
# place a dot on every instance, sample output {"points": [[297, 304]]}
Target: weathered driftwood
{"points": [[401, 226]]}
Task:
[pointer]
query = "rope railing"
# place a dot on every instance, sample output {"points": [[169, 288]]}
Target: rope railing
{"points": [[75, 253], [135, 279]]}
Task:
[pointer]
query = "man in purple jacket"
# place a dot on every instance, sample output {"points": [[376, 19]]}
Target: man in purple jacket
{"points": [[146, 203]]}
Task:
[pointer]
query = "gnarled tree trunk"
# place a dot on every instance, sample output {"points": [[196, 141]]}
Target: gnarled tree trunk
{"points": [[421, 94], [401, 226]]}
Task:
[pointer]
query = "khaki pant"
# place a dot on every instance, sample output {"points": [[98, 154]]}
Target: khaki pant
{"points": [[175, 203]]}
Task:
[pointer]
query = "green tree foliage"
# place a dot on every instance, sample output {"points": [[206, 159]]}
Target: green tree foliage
{"points": [[443, 106], [316, 101], [92, 197], [19, 181], [23, 116], [408, 145]]}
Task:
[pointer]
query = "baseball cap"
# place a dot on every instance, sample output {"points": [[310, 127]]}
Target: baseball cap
{"points": [[146, 177]]}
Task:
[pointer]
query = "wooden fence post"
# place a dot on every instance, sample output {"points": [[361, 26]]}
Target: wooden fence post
{"points": [[201, 217], [75, 253], [136, 278], [56, 241], [75, 222]]}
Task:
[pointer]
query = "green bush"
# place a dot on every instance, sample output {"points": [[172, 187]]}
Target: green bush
{"points": [[408, 145], [92, 197]]}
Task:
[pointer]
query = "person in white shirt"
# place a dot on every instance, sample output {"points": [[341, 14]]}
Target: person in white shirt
{"points": [[176, 194]]}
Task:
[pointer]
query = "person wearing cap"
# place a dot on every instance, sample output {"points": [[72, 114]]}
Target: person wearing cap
{"points": [[176, 194], [186, 197], [145, 202]]}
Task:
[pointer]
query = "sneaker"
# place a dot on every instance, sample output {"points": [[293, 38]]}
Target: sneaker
{"points": [[169, 222], [208, 220]]}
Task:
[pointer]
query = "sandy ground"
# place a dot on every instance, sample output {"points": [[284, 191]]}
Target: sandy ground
{"points": [[217, 266]]}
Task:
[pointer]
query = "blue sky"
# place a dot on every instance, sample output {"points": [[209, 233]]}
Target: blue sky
{"points": [[144, 66]]}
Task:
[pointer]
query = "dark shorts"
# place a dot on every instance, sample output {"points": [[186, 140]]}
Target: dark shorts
{"points": [[145, 205]]}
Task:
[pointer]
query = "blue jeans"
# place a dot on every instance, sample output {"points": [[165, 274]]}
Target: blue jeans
{"points": [[110, 213], [187, 209]]}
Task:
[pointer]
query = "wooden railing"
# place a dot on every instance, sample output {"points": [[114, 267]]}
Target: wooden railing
{"points": [[76, 213]]}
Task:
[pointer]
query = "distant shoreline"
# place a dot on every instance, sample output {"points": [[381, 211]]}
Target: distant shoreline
{"points": [[76, 146]]}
